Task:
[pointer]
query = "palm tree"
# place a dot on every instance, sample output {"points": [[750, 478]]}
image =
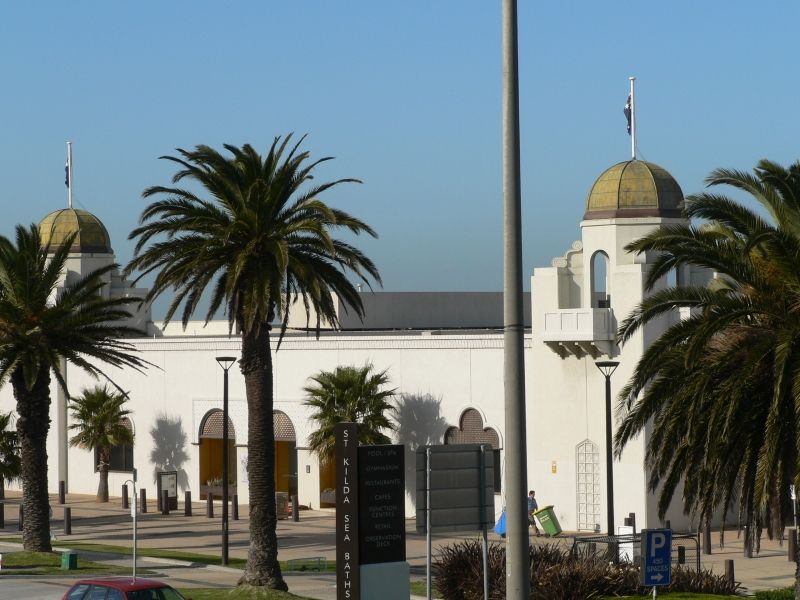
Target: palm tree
{"points": [[260, 240], [9, 451], [722, 386], [41, 325], [353, 395], [99, 416]]}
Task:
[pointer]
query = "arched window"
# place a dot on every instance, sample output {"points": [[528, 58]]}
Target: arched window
{"points": [[283, 427], [472, 431], [601, 290], [212, 426], [121, 458]]}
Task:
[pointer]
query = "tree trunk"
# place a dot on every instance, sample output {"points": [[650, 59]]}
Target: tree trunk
{"points": [[102, 469], [262, 558], [33, 424]]}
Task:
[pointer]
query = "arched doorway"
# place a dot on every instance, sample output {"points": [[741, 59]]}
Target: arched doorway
{"points": [[470, 430], [211, 455], [285, 454]]}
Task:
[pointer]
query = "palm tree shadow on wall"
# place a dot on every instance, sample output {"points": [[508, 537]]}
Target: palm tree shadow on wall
{"points": [[169, 448], [419, 423]]}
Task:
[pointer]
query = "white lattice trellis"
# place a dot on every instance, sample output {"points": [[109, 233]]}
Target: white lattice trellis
{"points": [[587, 468]]}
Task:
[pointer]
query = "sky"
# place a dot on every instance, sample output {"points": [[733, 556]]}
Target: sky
{"points": [[405, 95]]}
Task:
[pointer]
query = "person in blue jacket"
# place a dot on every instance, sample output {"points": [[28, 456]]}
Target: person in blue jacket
{"points": [[533, 506]]}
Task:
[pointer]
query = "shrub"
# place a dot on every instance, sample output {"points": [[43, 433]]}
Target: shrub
{"points": [[704, 582], [557, 574], [782, 594]]}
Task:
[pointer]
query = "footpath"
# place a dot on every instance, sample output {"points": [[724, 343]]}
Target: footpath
{"points": [[308, 541]]}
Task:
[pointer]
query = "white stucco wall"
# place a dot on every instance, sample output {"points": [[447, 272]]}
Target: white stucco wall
{"points": [[440, 376]]}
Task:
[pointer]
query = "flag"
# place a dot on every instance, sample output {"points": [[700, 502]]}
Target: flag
{"points": [[66, 174], [627, 111]]}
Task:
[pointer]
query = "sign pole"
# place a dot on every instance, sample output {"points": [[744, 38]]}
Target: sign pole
{"points": [[133, 515], [428, 520], [482, 504]]}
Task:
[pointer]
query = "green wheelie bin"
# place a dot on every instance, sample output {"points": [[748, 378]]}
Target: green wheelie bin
{"points": [[548, 520]]}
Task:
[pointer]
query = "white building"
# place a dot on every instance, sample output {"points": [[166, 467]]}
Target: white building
{"points": [[443, 353]]}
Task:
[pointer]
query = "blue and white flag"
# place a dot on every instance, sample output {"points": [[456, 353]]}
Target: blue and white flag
{"points": [[627, 111], [66, 174]]}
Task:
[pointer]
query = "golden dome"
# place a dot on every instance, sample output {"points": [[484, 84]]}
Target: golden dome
{"points": [[634, 188], [92, 235]]}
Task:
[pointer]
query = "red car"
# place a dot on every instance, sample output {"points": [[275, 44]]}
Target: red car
{"points": [[121, 588]]}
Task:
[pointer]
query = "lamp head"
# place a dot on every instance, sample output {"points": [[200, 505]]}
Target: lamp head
{"points": [[607, 367], [226, 362]]}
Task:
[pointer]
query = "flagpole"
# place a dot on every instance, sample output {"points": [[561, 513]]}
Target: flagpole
{"points": [[633, 120], [69, 173]]}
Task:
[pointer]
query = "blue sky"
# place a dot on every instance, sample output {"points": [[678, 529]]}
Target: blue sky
{"points": [[405, 95]]}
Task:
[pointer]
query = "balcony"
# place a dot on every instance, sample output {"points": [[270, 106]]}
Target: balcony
{"points": [[579, 331]]}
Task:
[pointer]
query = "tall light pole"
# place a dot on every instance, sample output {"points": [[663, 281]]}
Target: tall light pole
{"points": [[607, 367], [518, 543], [226, 362]]}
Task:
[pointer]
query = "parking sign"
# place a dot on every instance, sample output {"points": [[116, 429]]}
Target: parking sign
{"points": [[656, 557]]}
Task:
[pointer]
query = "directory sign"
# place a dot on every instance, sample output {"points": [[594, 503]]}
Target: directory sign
{"points": [[382, 504], [656, 557]]}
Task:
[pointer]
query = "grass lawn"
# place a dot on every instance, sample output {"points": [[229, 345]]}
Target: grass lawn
{"points": [[49, 563], [243, 592], [420, 588], [203, 559]]}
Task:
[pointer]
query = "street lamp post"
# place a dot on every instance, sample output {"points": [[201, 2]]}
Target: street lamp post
{"points": [[226, 362], [607, 367]]}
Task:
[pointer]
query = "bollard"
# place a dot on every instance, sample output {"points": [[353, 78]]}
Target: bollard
{"points": [[62, 492], [165, 502], [125, 503], [20, 521], [187, 503], [67, 520], [210, 505], [729, 570], [143, 500], [792, 545], [295, 509], [632, 517], [681, 555], [2, 515], [235, 508], [707, 539]]}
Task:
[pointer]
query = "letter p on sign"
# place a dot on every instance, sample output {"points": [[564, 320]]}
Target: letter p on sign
{"points": [[658, 542]]}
